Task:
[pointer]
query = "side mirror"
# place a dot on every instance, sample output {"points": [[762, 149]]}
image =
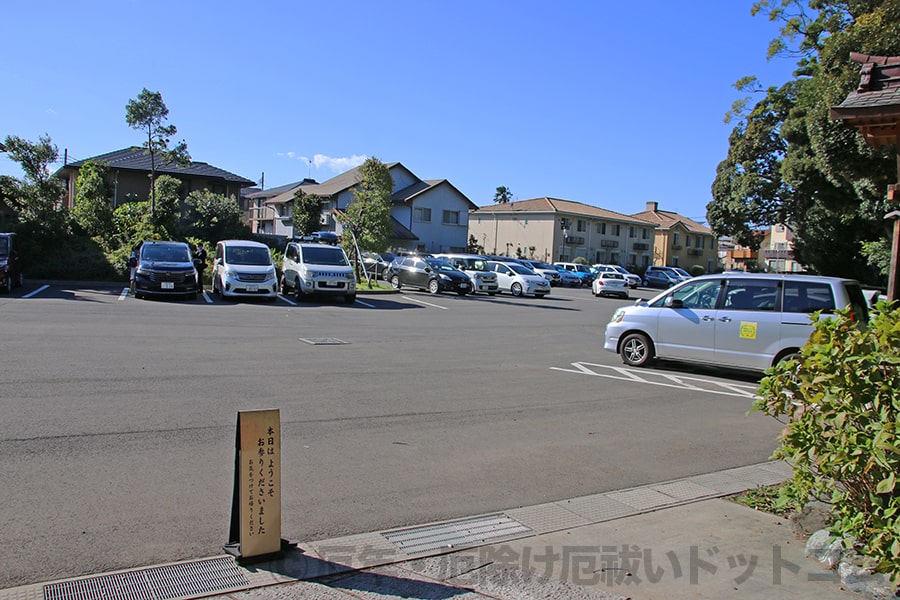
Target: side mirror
{"points": [[671, 302]]}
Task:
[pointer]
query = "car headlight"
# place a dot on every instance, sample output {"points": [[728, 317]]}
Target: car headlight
{"points": [[617, 316], [445, 277], [350, 276]]}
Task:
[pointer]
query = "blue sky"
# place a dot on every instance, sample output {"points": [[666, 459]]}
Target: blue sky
{"points": [[610, 104]]}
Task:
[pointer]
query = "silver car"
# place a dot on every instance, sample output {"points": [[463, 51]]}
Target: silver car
{"points": [[746, 321]]}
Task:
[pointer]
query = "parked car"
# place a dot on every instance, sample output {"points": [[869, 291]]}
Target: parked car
{"points": [[483, 279], [243, 268], [519, 280], [317, 268], [632, 280], [378, 264], [670, 271], [682, 273], [162, 268], [747, 321], [429, 273], [610, 283], [568, 278], [583, 271], [659, 279], [546, 271], [10, 263]]}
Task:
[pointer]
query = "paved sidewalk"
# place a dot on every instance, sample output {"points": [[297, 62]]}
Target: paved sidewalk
{"points": [[672, 540]]}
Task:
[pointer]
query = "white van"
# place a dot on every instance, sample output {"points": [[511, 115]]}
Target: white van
{"points": [[243, 268], [746, 321], [311, 268]]}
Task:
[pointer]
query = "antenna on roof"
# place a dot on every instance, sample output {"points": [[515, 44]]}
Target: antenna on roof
{"points": [[262, 181]]}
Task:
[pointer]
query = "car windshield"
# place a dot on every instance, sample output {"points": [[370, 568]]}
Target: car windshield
{"points": [[520, 269], [4, 246], [323, 255], [247, 255], [621, 269], [474, 264], [174, 253], [440, 265]]}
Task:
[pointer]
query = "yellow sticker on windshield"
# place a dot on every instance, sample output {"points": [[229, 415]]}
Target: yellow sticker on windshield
{"points": [[748, 330]]}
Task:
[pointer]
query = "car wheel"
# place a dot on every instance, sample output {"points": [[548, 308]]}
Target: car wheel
{"points": [[298, 291], [283, 285], [433, 286], [8, 287], [645, 283], [516, 289], [395, 282], [386, 274], [20, 280], [636, 350]]}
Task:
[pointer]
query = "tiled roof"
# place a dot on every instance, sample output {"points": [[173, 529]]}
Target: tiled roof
{"points": [[667, 220], [878, 93], [556, 205], [135, 159], [275, 191]]}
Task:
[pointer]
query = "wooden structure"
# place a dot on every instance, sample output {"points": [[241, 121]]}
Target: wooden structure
{"points": [[874, 109]]}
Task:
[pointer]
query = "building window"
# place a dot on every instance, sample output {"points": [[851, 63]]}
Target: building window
{"points": [[618, 230], [645, 234], [451, 217], [422, 215], [675, 239], [687, 241], [601, 228], [631, 232], [581, 225], [645, 261]]}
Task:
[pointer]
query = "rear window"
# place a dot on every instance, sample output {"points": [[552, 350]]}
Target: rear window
{"points": [[808, 297]]}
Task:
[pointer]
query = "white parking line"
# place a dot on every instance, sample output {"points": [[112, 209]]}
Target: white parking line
{"points": [[124, 294], [411, 299], [36, 292], [207, 298], [682, 382], [288, 300], [358, 301]]}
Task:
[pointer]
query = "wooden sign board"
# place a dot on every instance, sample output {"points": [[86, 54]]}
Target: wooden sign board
{"points": [[256, 504]]}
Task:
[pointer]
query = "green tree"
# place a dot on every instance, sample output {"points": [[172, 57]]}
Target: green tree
{"points": [[148, 113], [473, 247], [788, 162], [92, 209], [503, 195], [306, 212], [212, 217], [37, 198], [167, 218], [369, 214]]}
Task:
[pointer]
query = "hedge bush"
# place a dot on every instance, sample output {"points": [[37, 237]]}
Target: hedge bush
{"points": [[840, 405]]}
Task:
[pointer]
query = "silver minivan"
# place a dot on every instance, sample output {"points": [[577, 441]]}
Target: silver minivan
{"points": [[745, 321]]}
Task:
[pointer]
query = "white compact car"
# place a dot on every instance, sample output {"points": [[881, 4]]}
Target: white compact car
{"points": [[243, 268], [610, 283], [746, 321], [632, 280], [519, 280]]}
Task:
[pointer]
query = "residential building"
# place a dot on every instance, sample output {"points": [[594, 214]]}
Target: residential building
{"points": [[428, 215], [551, 229], [129, 169], [777, 251], [680, 241], [735, 257], [265, 214]]}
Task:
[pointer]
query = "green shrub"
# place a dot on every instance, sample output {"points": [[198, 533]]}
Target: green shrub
{"points": [[841, 403], [697, 270]]}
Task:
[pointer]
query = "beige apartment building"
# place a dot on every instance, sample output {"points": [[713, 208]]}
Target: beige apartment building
{"points": [[680, 241], [551, 230]]}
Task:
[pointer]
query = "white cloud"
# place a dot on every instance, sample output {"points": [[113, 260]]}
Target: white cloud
{"points": [[335, 164]]}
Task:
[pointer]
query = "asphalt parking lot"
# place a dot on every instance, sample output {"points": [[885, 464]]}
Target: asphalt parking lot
{"points": [[403, 408]]}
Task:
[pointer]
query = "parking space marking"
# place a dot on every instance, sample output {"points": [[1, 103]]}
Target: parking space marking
{"points": [[36, 292], [358, 301], [411, 299], [207, 298], [683, 382], [124, 294]]}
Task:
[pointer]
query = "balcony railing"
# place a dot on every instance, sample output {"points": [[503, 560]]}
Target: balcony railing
{"points": [[743, 254], [676, 246], [609, 243], [574, 240], [778, 254], [695, 252], [641, 246]]}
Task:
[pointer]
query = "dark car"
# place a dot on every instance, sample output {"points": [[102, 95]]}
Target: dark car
{"points": [[10, 263], [429, 273], [658, 279], [378, 265], [164, 269]]}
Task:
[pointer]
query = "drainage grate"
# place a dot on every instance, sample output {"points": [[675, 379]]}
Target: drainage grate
{"points": [[323, 341], [456, 534], [214, 575]]}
